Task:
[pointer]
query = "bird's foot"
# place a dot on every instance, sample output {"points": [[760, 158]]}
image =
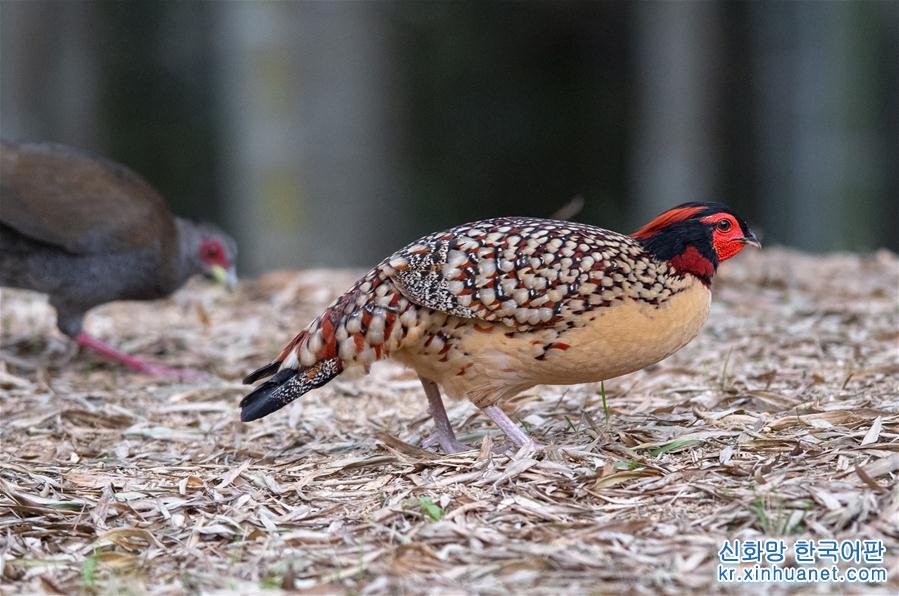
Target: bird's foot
{"points": [[515, 433], [133, 362], [455, 446], [447, 444], [528, 448]]}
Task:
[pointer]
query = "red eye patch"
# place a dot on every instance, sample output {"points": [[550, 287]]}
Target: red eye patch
{"points": [[213, 253], [727, 236]]}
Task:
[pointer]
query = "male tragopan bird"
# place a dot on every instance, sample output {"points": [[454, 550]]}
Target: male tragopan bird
{"points": [[88, 231], [491, 308]]}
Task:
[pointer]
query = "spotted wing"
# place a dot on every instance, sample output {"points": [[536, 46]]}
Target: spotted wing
{"points": [[522, 272]]}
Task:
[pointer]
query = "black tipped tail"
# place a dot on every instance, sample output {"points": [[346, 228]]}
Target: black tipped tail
{"points": [[267, 397], [285, 386]]}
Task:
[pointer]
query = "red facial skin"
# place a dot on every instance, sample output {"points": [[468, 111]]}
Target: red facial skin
{"points": [[213, 253], [727, 236]]}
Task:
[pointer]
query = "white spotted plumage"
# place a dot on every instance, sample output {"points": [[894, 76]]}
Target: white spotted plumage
{"points": [[487, 309], [518, 274]]}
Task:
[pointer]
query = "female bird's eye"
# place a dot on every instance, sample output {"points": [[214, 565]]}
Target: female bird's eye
{"points": [[211, 251], [723, 225]]}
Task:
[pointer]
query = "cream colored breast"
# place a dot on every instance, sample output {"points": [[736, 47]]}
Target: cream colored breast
{"points": [[607, 343], [627, 337]]}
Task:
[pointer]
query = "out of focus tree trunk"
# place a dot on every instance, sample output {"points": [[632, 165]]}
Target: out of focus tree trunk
{"points": [[50, 72], [824, 172], [311, 151], [675, 157]]}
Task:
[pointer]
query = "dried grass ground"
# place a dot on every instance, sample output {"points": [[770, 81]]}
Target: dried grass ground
{"points": [[781, 419]]}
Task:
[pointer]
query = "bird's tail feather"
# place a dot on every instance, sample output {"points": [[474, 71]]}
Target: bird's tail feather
{"points": [[273, 366], [285, 386], [260, 373], [339, 337]]}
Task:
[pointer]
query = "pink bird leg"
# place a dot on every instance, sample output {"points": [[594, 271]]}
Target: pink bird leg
{"points": [[134, 363]]}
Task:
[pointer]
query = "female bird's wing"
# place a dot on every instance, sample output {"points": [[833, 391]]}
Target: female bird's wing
{"points": [[522, 272], [79, 201]]}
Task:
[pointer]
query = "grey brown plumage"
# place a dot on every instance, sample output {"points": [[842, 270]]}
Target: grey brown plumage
{"points": [[86, 231]]}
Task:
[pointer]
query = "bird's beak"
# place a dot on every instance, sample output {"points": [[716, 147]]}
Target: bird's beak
{"points": [[226, 277], [751, 240]]}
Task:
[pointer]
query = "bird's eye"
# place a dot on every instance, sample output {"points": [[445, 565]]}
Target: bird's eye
{"points": [[723, 225], [211, 251]]}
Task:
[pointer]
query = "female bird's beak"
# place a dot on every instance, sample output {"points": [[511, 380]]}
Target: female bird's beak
{"points": [[226, 277], [751, 240]]}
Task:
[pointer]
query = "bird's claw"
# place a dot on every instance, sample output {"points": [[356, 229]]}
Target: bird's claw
{"points": [[530, 447], [447, 445], [454, 446], [515, 450]]}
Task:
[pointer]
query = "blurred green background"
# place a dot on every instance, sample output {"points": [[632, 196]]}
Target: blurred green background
{"points": [[331, 133]]}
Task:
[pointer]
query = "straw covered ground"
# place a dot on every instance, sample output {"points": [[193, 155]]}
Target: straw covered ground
{"points": [[781, 419]]}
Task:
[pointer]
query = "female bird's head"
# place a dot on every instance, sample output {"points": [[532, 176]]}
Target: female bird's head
{"points": [[694, 237], [209, 251]]}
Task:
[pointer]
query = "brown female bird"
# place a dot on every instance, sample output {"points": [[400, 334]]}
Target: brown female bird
{"points": [[489, 309], [87, 231]]}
